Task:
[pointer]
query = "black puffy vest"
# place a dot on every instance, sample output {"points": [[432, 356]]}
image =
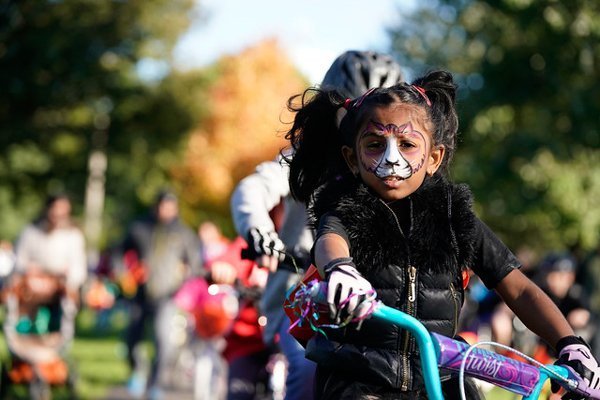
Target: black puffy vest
{"points": [[418, 272]]}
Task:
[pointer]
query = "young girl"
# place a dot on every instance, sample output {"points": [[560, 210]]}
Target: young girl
{"points": [[373, 171]]}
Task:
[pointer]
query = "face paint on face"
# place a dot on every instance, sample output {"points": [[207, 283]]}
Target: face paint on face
{"points": [[391, 151]]}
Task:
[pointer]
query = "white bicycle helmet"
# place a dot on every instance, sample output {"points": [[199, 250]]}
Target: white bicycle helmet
{"points": [[355, 72]]}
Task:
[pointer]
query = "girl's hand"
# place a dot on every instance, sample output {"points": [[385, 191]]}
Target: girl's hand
{"points": [[348, 292], [578, 358]]}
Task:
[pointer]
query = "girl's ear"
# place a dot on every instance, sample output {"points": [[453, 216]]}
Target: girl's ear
{"points": [[351, 160], [435, 159]]}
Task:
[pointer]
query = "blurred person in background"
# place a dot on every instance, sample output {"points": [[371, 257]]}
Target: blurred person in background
{"points": [[245, 352], [53, 247], [212, 242], [42, 294], [558, 272], [555, 275], [160, 252], [256, 196]]}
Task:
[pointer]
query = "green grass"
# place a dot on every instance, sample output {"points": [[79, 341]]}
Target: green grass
{"points": [[498, 394], [99, 364], [502, 394]]}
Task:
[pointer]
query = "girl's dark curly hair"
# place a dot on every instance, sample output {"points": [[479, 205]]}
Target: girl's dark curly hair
{"points": [[317, 140]]}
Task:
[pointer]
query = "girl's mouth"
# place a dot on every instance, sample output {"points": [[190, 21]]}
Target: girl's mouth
{"points": [[392, 181]]}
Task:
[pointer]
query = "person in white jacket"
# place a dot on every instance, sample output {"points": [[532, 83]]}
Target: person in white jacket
{"points": [[54, 245], [256, 196], [50, 261]]}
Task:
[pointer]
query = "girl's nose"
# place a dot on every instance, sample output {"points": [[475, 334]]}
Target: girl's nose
{"points": [[391, 156]]}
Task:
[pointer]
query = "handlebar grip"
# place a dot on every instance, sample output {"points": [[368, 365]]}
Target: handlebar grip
{"points": [[570, 382], [318, 293], [248, 254]]}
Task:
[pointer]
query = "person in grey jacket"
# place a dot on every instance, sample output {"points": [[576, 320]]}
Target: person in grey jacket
{"points": [[256, 196], [169, 253]]}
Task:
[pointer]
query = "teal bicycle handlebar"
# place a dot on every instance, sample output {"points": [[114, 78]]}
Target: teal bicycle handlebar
{"points": [[439, 351], [431, 374]]}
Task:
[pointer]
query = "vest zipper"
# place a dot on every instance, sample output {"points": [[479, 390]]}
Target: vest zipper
{"points": [[412, 285], [410, 306], [456, 308], [410, 310]]}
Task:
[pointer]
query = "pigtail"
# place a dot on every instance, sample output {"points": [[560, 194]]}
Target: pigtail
{"points": [[439, 88], [316, 142]]}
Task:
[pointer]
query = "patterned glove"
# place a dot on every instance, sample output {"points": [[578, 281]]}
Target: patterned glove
{"points": [[575, 355], [348, 292], [266, 243]]}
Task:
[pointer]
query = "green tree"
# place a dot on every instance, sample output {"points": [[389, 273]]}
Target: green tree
{"points": [[529, 73], [70, 84]]}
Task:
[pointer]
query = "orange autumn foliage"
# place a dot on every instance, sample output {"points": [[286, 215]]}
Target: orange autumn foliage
{"points": [[246, 123]]}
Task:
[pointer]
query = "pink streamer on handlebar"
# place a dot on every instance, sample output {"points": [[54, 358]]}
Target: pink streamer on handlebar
{"points": [[309, 309], [504, 372]]}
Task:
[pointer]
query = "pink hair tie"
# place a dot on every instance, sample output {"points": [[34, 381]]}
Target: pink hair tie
{"points": [[422, 93], [349, 104], [362, 98]]}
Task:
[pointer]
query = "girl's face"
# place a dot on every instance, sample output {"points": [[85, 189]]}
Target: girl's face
{"points": [[59, 213], [394, 151]]}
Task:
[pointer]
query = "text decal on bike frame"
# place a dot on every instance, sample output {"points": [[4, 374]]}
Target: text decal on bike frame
{"points": [[492, 367]]}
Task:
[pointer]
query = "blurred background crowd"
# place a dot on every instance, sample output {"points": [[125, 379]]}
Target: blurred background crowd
{"points": [[115, 182]]}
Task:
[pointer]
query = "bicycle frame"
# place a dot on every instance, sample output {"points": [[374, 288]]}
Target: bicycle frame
{"points": [[308, 302], [433, 348]]}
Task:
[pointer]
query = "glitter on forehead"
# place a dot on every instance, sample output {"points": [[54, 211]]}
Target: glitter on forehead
{"points": [[392, 129]]}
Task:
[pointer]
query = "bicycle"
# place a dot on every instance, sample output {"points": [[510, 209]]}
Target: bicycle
{"points": [[201, 315], [440, 352]]}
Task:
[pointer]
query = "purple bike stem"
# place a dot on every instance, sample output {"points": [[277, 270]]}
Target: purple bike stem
{"points": [[515, 376], [502, 371]]}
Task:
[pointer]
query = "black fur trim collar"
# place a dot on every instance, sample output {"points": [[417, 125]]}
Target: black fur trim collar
{"points": [[440, 238]]}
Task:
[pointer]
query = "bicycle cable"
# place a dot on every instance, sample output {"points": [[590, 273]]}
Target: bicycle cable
{"points": [[461, 374], [289, 256]]}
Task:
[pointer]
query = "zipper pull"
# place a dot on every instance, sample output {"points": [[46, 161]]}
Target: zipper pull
{"points": [[412, 278]]}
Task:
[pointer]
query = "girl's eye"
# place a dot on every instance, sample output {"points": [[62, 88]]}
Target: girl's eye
{"points": [[375, 145], [406, 145]]}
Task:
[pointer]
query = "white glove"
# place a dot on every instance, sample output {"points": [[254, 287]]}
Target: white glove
{"points": [[266, 243], [348, 292], [579, 358]]}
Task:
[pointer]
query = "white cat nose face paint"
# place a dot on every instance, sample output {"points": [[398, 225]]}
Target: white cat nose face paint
{"points": [[391, 163]]}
